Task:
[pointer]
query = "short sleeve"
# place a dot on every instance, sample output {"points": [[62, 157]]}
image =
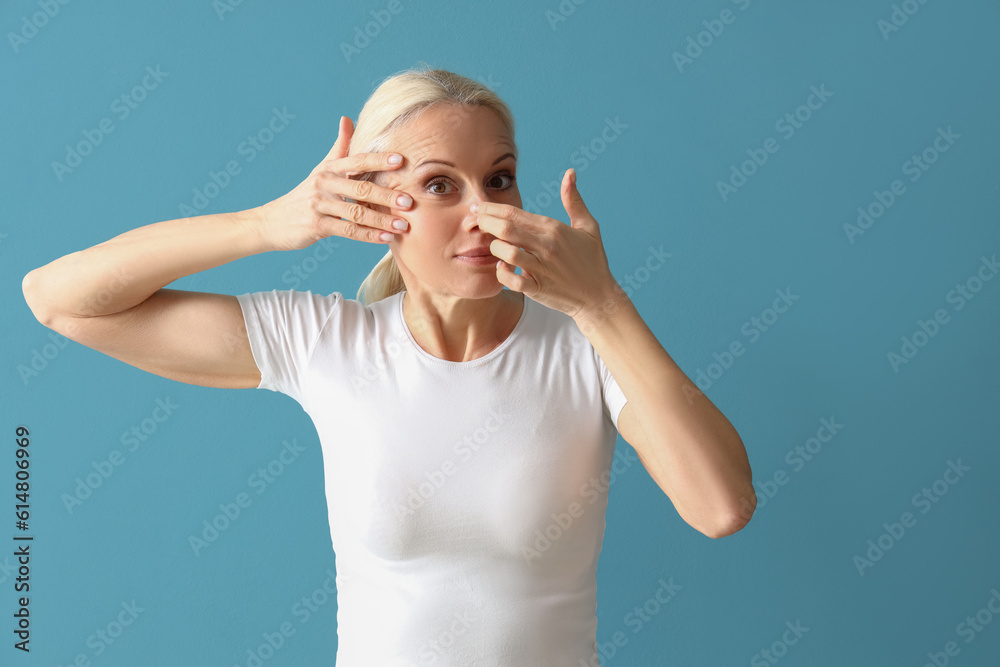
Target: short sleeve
{"points": [[283, 327], [614, 399]]}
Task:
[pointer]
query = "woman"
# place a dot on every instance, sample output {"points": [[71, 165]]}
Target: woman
{"points": [[467, 430]]}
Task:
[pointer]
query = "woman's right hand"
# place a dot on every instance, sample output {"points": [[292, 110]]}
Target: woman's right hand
{"points": [[317, 207]]}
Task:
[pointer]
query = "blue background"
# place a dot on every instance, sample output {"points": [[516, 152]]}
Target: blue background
{"points": [[657, 184]]}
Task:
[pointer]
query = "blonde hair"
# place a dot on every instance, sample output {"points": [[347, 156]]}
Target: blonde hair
{"points": [[398, 100]]}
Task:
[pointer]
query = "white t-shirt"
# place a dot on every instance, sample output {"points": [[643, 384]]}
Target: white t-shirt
{"points": [[466, 499]]}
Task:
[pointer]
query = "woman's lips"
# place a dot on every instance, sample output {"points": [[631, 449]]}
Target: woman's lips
{"points": [[477, 260]]}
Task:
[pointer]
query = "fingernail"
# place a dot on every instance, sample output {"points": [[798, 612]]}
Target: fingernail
{"points": [[399, 224], [404, 201], [395, 158], [386, 236]]}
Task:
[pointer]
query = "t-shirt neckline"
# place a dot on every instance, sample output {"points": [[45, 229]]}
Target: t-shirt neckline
{"points": [[495, 352]]}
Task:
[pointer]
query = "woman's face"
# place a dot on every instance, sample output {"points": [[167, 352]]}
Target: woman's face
{"points": [[482, 168]]}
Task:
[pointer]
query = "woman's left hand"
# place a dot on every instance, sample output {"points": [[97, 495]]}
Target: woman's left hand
{"points": [[562, 266]]}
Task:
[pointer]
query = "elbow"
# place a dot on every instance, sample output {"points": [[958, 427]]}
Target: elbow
{"points": [[724, 529], [32, 287], [737, 518], [30, 290]]}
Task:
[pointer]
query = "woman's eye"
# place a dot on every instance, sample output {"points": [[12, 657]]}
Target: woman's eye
{"points": [[501, 185], [508, 177]]}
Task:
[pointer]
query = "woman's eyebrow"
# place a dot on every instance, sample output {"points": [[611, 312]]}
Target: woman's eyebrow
{"points": [[445, 162]]}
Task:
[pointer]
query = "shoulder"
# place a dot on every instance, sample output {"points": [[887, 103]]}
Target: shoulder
{"points": [[291, 305], [292, 298]]}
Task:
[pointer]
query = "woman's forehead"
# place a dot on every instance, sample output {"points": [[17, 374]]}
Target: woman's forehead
{"points": [[462, 138], [442, 144], [450, 126]]}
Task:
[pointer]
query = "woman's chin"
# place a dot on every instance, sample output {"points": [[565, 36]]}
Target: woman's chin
{"points": [[479, 287]]}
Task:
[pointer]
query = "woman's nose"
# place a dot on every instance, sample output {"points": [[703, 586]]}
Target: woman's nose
{"points": [[472, 219], [475, 198]]}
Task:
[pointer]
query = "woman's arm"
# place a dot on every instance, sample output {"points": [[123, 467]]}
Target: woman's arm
{"points": [[689, 448], [109, 297], [686, 444], [122, 272]]}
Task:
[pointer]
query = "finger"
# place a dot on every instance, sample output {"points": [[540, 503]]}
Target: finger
{"points": [[335, 207], [508, 228], [512, 223], [342, 146], [518, 283], [363, 163], [350, 229], [572, 200], [513, 256], [365, 191]]}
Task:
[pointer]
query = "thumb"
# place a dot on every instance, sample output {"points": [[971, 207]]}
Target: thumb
{"points": [[342, 145], [579, 215]]}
